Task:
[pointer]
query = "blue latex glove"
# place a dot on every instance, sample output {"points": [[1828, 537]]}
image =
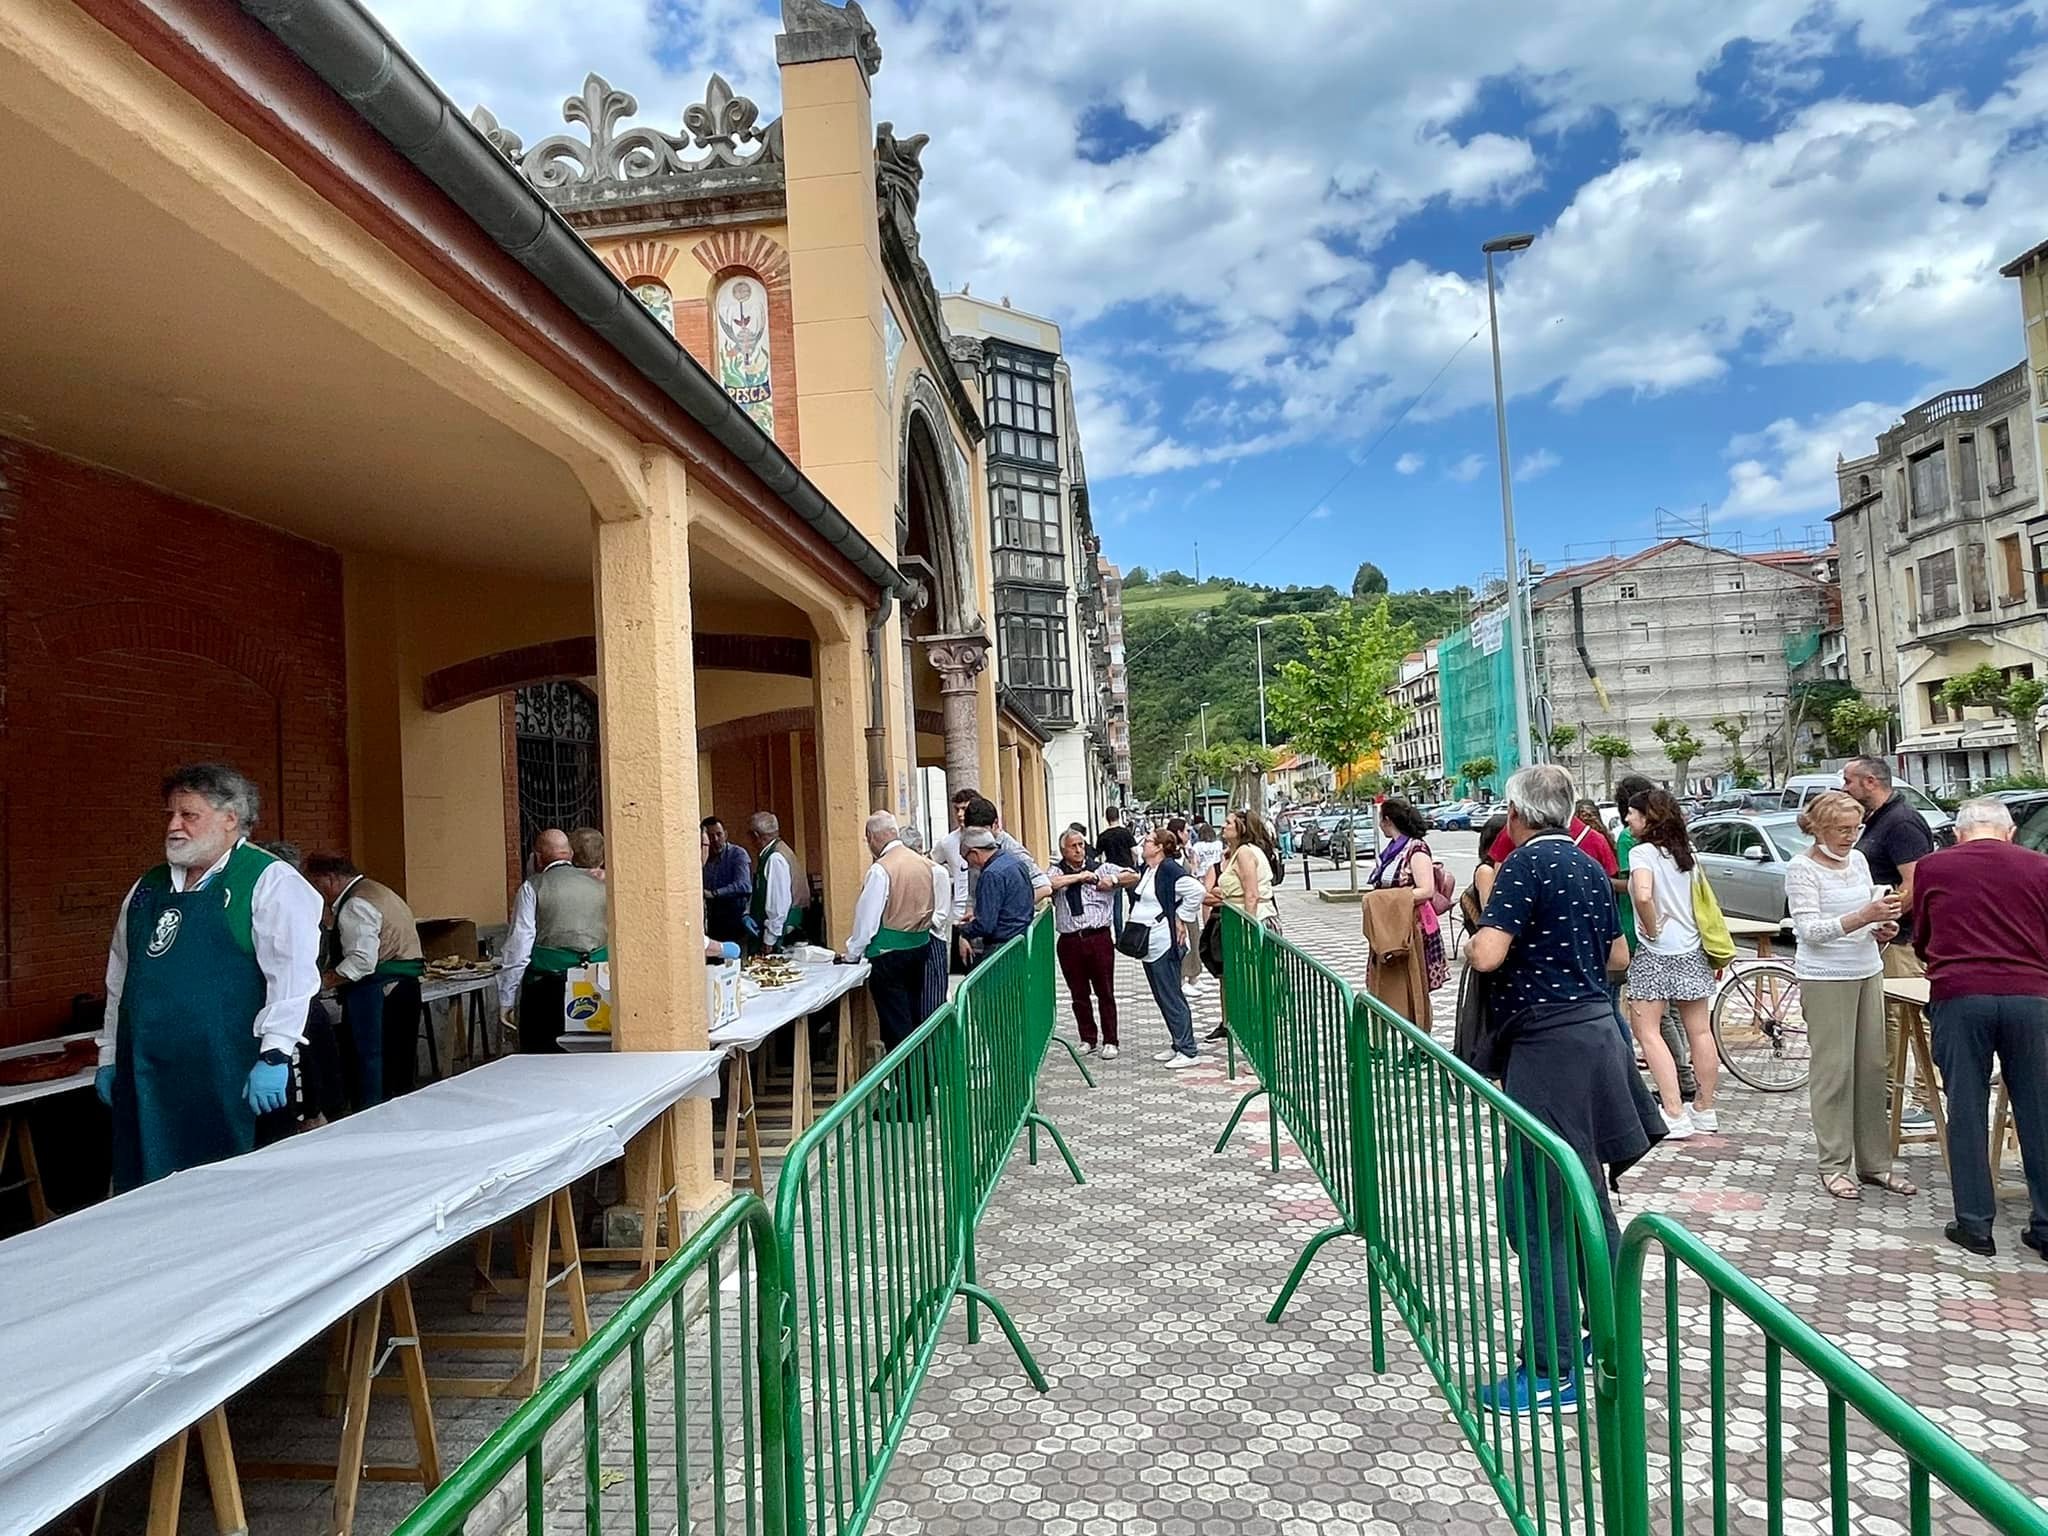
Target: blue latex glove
{"points": [[103, 1085], [730, 950], [267, 1085], [751, 926]]}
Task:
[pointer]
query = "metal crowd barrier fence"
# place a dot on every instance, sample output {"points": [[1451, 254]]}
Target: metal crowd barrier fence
{"points": [[1486, 1232], [703, 1449], [1825, 1446], [784, 1404]]}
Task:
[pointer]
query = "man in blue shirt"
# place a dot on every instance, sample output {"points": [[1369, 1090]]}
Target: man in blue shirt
{"points": [[728, 885], [1003, 901]]}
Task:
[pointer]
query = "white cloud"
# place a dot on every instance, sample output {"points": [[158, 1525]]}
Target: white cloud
{"points": [[1466, 470], [1536, 464], [1788, 467], [1409, 463], [1320, 513], [1252, 230]]}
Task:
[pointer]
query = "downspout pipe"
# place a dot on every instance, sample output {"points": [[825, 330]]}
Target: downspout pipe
{"points": [[878, 738]]}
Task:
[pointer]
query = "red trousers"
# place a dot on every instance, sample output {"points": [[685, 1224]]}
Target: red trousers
{"points": [[1088, 961]]}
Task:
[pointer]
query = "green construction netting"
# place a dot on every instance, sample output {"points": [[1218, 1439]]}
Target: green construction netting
{"points": [[1801, 646], [1476, 673]]}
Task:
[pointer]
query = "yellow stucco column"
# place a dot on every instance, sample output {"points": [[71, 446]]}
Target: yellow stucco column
{"points": [[648, 727], [841, 714]]}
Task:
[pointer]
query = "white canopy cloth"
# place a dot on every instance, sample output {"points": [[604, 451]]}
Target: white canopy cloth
{"points": [[128, 1321], [773, 1007]]}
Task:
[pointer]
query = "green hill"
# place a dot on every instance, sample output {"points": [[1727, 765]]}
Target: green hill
{"points": [[1186, 643]]}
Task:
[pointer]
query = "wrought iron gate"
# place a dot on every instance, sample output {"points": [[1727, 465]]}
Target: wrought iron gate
{"points": [[555, 734]]}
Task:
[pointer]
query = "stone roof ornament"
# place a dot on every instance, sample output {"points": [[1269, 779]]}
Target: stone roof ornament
{"points": [[813, 30], [899, 179], [722, 126]]}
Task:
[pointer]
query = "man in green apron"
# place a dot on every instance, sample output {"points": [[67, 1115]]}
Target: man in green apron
{"points": [[559, 922], [775, 913], [213, 965], [377, 977]]}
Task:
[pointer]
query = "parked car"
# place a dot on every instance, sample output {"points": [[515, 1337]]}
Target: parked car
{"points": [[1458, 816], [1744, 854], [1802, 787], [1354, 835]]}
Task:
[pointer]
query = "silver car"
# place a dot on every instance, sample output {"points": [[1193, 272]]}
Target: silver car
{"points": [[1745, 856]]}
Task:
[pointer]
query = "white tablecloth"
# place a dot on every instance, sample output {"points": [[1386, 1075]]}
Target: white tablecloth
{"points": [[128, 1321], [765, 1013], [22, 1093]]}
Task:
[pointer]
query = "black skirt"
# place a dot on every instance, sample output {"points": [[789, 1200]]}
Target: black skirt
{"points": [[1571, 1070]]}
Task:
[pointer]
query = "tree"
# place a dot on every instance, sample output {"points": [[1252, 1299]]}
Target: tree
{"points": [[1610, 749], [1370, 581], [1333, 702], [1851, 721], [1560, 740], [1680, 745], [1137, 576], [1478, 771], [1244, 766], [2016, 698], [1811, 704], [1174, 579]]}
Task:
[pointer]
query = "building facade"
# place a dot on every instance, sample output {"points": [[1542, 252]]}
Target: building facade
{"points": [[1682, 632], [1116, 690], [1943, 540], [1415, 757], [1051, 630]]}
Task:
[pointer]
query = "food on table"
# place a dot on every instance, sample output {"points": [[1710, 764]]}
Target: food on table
{"points": [[771, 971]]}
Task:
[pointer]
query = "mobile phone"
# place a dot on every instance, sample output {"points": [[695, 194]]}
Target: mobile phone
{"points": [[1880, 892]]}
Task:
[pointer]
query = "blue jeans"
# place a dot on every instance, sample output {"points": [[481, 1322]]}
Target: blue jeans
{"points": [[1968, 1031], [1163, 976]]}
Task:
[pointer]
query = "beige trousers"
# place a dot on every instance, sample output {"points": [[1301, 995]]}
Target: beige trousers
{"points": [[1900, 961], [1845, 1025]]}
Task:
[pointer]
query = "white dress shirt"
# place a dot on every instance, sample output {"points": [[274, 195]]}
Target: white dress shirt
{"points": [[284, 922], [948, 853], [518, 941], [776, 874], [867, 911], [360, 927], [1147, 908], [942, 904]]}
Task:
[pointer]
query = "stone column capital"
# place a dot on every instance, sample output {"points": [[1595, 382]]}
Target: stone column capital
{"points": [[958, 659]]}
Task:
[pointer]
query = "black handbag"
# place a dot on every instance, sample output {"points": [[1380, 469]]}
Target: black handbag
{"points": [[1478, 1040], [1135, 940]]}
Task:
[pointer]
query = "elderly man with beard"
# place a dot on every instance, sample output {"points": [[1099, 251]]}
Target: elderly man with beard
{"points": [[214, 961]]}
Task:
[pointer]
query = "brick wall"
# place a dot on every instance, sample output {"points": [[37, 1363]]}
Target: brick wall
{"points": [[141, 631]]}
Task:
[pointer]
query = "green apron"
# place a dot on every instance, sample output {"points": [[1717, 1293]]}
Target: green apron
{"points": [[187, 1037], [793, 919]]}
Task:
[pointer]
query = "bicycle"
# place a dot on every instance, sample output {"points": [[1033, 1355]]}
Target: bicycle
{"points": [[1759, 1026]]}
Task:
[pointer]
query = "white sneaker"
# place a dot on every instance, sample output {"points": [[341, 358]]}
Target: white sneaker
{"points": [[1165, 1056], [1176, 1062], [1705, 1119], [1109, 1053], [1680, 1128], [1088, 1047]]}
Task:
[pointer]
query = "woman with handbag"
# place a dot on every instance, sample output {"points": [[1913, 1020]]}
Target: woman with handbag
{"points": [[1247, 879], [1165, 898], [1670, 965], [1405, 863]]}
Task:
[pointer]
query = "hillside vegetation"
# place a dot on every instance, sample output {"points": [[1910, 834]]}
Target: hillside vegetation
{"points": [[1185, 643]]}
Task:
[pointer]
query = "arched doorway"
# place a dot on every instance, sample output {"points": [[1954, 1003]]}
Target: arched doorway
{"points": [[554, 729], [944, 642]]}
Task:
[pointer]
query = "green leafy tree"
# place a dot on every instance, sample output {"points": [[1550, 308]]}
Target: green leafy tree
{"points": [[1137, 576], [1370, 582], [1478, 772], [1810, 705], [1560, 740], [1850, 721], [1610, 749], [2016, 698], [1680, 745], [1333, 702], [1243, 765]]}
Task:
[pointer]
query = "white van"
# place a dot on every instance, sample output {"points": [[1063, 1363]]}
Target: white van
{"points": [[1802, 787]]}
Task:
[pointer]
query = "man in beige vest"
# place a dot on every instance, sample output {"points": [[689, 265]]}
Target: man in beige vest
{"points": [[559, 921], [377, 978], [892, 930]]}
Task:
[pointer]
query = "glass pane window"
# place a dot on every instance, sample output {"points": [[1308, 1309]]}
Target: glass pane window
{"points": [[1035, 662], [1020, 405]]}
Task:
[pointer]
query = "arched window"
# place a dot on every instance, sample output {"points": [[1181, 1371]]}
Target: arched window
{"points": [[741, 309], [659, 301], [554, 728], [1863, 485]]}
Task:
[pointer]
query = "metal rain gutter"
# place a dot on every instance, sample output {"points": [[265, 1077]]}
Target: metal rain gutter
{"points": [[346, 47]]}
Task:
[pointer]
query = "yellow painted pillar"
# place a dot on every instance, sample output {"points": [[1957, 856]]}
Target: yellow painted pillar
{"points": [[838, 850], [648, 728]]}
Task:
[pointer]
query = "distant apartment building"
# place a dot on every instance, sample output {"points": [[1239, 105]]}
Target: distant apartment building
{"points": [[1116, 690], [1943, 542], [1416, 753], [1051, 629], [1685, 632]]}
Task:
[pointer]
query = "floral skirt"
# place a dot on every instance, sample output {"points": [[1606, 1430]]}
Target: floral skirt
{"points": [[1433, 958], [1670, 978]]}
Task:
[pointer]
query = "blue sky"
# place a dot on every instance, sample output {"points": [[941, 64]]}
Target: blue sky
{"points": [[1764, 228]]}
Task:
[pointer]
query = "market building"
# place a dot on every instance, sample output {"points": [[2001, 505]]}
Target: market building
{"points": [[402, 489]]}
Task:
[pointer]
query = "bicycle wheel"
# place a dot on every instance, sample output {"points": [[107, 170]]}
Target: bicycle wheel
{"points": [[1760, 1027]]}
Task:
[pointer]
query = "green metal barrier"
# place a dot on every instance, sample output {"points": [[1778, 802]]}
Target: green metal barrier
{"points": [[1733, 1424], [1487, 1235], [1294, 1018], [720, 1453]]}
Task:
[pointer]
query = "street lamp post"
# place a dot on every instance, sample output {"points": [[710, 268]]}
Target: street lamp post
{"points": [[1259, 640], [1518, 611]]}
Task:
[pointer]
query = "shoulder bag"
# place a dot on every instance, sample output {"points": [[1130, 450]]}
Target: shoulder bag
{"points": [[1706, 916]]}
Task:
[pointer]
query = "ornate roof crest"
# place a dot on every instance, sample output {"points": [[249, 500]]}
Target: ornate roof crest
{"points": [[722, 126], [830, 32]]}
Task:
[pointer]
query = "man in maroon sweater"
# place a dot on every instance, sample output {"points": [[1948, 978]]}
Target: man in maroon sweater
{"points": [[1980, 921]]}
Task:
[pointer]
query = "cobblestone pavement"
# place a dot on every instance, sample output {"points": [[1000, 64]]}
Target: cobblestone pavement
{"points": [[1176, 1407]]}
